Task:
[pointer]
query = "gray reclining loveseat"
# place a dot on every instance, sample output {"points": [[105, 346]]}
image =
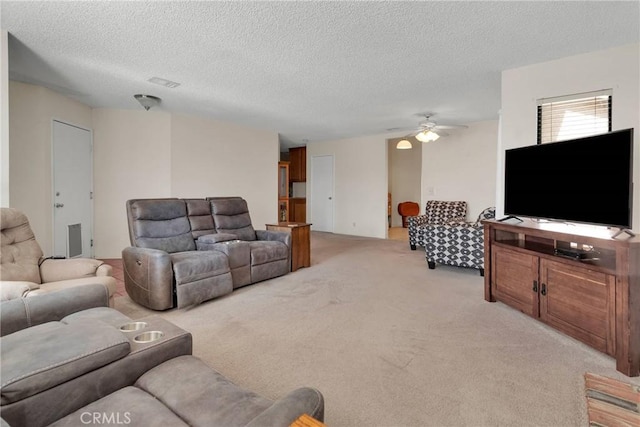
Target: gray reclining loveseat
{"points": [[186, 251], [67, 358]]}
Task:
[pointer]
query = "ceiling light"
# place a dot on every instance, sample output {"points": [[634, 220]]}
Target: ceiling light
{"points": [[404, 145], [427, 136], [147, 101]]}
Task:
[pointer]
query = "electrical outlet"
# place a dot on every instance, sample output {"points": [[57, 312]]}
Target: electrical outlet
{"points": [[431, 191], [354, 224]]}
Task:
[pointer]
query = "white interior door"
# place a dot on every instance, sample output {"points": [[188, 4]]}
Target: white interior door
{"points": [[72, 191], [322, 193]]}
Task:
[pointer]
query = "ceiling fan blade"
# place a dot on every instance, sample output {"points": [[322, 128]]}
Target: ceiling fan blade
{"points": [[427, 125], [450, 127], [404, 129]]}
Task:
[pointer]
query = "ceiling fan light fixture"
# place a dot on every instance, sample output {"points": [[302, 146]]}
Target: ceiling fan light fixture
{"points": [[147, 101], [404, 145], [427, 136]]}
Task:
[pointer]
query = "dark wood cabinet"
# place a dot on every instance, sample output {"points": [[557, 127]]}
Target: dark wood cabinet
{"points": [[579, 302], [594, 299], [298, 209], [514, 277], [283, 191], [298, 164]]}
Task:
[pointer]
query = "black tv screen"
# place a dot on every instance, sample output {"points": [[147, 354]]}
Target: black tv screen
{"points": [[586, 180]]}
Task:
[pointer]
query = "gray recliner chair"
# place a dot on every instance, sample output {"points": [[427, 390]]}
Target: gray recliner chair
{"points": [[24, 271], [162, 268]]}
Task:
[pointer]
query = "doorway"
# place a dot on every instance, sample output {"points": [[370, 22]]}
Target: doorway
{"points": [[405, 182], [72, 153], [322, 193]]}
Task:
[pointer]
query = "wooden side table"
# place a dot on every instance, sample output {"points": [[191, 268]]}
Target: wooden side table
{"points": [[300, 242]]}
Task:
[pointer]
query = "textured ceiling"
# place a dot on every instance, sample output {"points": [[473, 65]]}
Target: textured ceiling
{"points": [[308, 70]]}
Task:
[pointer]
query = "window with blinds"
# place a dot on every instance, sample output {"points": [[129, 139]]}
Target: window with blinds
{"points": [[574, 116]]}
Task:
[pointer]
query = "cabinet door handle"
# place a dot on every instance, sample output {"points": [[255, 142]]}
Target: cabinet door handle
{"points": [[535, 286], [543, 290]]}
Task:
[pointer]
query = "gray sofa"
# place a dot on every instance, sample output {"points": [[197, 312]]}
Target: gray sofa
{"points": [[21, 313], [63, 371], [63, 350], [184, 391], [186, 251]]}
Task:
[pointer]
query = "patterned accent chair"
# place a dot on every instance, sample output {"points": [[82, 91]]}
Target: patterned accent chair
{"points": [[436, 212], [460, 244]]}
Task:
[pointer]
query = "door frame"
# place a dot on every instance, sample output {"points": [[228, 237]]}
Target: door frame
{"points": [[53, 184]]}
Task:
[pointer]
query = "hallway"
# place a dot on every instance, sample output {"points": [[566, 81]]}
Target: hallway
{"points": [[399, 233]]}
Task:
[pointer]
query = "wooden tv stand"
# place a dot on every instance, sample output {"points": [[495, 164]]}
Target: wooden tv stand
{"points": [[593, 297]]}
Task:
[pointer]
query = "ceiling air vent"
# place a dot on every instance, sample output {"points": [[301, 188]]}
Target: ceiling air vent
{"points": [[164, 82]]}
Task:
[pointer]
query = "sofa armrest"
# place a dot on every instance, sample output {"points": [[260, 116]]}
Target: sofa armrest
{"points": [[414, 221], [22, 313], [12, 289], [104, 270], [58, 353], [278, 236], [286, 410], [148, 277], [55, 270], [463, 225]]}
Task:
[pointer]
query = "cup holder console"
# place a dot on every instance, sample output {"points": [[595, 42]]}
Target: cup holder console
{"points": [[148, 330], [144, 337], [147, 337], [133, 326]]}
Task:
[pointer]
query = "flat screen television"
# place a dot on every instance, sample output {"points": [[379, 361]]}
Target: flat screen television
{"points": [[585, 180]]}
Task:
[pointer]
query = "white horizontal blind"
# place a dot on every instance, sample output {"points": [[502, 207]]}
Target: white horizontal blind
{"points": [[574, 116]]}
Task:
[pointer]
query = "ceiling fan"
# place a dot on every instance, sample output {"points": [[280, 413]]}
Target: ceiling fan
{"points": [[427, 131]]}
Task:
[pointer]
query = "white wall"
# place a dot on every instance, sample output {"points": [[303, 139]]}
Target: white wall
{"points": [[212, 158], [617, 69], [32, 110], [458, 167], [4, 118], [144, 154], [462, 166], [137, 154], [361, 185], [405, 176], [132, 159]]}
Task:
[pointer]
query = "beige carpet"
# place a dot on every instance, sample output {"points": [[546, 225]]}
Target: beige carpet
{"points": [[391, 343]]}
